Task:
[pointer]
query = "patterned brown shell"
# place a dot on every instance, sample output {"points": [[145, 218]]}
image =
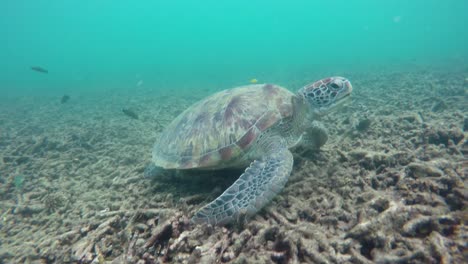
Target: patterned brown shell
{"points": [[219, 129]]}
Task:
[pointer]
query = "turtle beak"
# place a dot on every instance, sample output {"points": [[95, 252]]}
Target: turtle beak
{"points": [[349, 86], [346, 90], [345, 97]]}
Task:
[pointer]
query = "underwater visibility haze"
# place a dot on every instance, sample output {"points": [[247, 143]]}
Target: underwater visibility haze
{"points": [[92, 44], [87, 88]]}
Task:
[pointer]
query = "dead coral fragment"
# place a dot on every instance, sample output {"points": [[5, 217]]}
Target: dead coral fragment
{"points": [[54, 201], [161, 235], [364, 125], [422, 226], [369, 159], [443, 136], [421, 170]]}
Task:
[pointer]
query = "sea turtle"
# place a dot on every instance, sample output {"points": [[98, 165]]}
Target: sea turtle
{"points": [[255, 124]]}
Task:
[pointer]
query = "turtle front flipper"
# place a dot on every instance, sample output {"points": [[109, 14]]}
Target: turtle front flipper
{"points": [[316, 136], [260, 182]]}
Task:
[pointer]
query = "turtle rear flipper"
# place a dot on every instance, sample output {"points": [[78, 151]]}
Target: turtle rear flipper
{"points": [[260, 182], [152, 171]]}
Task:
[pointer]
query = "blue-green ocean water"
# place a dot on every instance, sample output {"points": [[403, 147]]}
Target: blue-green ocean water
{"points": [[120, 44]]}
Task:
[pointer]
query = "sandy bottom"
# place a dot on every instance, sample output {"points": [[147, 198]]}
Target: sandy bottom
{"points": [[388, 187]]}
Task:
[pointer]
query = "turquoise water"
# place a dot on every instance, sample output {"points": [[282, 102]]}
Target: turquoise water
{"points": [[117, 44], [72, 185]]}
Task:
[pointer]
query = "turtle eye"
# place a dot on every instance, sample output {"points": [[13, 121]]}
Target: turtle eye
{"points": [[334, 86]]}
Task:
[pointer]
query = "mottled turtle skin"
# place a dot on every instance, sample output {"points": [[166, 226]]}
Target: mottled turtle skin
{"points": [[254, 124], [218, 131]]}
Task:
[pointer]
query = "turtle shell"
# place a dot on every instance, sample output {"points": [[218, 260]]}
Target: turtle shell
{"points": [[217, 131]]}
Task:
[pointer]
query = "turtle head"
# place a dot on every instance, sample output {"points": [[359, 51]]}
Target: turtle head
{"points": [[325, 94]]}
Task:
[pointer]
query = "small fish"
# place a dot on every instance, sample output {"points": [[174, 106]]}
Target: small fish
{"points": [[254, 80], [129, 113], [39, 69], [64, 99], [139, 83]]}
